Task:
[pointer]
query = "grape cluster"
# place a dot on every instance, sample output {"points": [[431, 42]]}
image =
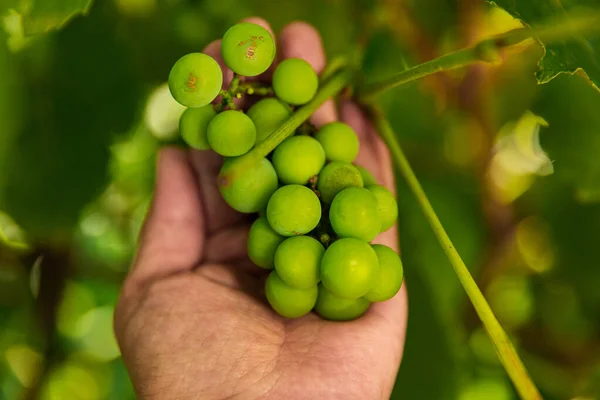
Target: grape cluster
{"points": [[317, 212]]}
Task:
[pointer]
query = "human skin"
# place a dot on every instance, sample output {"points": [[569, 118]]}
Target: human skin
{"points": [[191, 320]]}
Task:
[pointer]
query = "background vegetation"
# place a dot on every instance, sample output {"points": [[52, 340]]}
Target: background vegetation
{"points": [[512, 169]]}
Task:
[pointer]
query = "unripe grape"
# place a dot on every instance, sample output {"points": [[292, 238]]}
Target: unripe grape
{"points": [[268, 114], [288, 301], [368, 178], [349, 268], [262, 243], [298, 261], [390, 274], [294, 210], [297, 159], [354, 213], [386, 205], [248, 49], [193, 126], [339, 141], [336, 308], [295, 81], [335, 177], [231, 133], [250, 190], [195, 80]]}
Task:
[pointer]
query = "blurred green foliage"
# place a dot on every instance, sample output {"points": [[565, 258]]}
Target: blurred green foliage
{"points": [[84, 108]]}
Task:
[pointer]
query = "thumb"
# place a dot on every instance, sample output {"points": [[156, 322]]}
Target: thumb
{"points": [[172, 239]]}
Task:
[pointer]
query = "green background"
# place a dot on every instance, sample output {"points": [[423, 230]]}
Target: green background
{"points": [[83, 109]]}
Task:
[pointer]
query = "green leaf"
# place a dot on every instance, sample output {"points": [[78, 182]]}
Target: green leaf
{"points": [[574, 54], [41, 16]]}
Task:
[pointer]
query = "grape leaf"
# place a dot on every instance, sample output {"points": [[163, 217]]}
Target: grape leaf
{"points": [[41, 16], [573, 55]]}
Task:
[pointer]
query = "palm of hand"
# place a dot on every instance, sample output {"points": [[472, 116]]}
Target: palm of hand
{"points": [[192, 321]]}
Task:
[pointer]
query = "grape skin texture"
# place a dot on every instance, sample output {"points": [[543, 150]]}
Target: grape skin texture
{"points": [[195, 80], [262, 243], [390, 274], [287, 301], [335, 177], [386, 205], [231, 133], [297, 159], [298, 260], [339, 141], [248, 49], [295, 81], [293, 210], [267, 115], [349, 268], [354, 213], [336, 308], [193, 126], [368, 178], [249, 191]]}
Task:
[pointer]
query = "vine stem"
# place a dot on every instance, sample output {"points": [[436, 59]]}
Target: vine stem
{"points": [[329, 89], [485, 51], [506, 351]]}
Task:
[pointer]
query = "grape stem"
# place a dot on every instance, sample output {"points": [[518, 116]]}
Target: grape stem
{"points": [[329, 89], [506, 352], [489, 50]]}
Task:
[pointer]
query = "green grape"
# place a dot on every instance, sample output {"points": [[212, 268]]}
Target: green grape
{"points": [[339, 141], [193, 126], [298, 260], [349, 268], [195, 80], [336, 308], [293, 210], [262, 243], [354, 213], [390, 274], [335, 177], [250, 190], [267, 115], [231, 133], [297, 159], [387, 206], [368, 178], [288, 301], [295, 81], [248, 49]]}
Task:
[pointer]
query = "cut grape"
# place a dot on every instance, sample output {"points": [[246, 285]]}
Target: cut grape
{"points": [[298, 260], [250, 190], [390, 274], [193, 126], [354, 213], [349, 268], [335, 177], [294, 210], [231, 133], [295, 81], [248, 49], [195, 80], [267, 115], [287, 301], [297, 159], [262, 243], [368, 178], [387, 206], [336, 308], [339, 141]]}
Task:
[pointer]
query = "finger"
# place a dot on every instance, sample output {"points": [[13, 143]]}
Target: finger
{"points": [[301, 40], [228, 245], [218, 213], [172, 239], [213, 49], [367, 157]]}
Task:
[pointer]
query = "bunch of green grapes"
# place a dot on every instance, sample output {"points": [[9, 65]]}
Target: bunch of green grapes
{"points": [[316, 212]]}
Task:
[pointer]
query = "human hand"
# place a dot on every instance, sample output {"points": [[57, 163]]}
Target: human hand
{"points": [[191, 320]]}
